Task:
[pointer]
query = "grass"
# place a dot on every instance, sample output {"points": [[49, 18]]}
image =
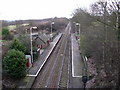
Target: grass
{"points": [[10, 27], [26, 24], [2, 40]]}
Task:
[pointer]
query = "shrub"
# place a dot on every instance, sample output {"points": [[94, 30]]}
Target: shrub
{"points": [[6, 34], [17, 45], [5, 31], [14, 64], [26, 42]]}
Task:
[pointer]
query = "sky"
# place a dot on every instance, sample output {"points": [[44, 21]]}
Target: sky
{"points": [[40, 9]]}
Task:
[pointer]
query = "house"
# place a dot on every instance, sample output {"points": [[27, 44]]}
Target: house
{"points": [[41, 41]]}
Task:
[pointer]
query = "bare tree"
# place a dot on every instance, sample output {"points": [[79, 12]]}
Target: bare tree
{"points": [[102, 29]]}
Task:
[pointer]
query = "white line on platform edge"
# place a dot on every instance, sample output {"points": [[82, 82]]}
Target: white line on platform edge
{"points": [[77, 76], [72, 57]]}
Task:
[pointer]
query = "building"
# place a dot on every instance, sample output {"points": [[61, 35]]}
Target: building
{"points": [[41, 41]]}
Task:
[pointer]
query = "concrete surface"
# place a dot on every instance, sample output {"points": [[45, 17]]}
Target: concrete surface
{"points": [[76, 65], [77, 62]]}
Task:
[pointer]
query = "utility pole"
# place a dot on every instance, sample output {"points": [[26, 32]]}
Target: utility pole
{"points": [[74, 24], [77, 24], [51, 28]]}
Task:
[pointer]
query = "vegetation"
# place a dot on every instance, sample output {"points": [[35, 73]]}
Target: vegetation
{"points": [[14, 64], [12, 27], [5, 47], [5, 31], [60, 23], [6, 34], [99, 41], [17, 45], [14, 61], [25, 40]]}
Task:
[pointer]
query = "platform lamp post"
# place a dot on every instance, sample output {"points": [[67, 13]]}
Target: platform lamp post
{"points": [[31, 42], [77, 24], [74, 25], [51, 28]]}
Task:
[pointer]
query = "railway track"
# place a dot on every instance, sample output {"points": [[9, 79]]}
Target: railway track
{"points": [[54, 74], [64, 80]]}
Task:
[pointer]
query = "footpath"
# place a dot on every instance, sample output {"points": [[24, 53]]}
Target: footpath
{"points": [[37, 66]]}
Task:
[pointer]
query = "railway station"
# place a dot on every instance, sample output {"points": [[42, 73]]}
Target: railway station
{"points": [[63, 44]]}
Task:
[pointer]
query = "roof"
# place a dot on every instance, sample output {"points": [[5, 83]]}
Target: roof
{"points": [[43, 37], [40, 39]]}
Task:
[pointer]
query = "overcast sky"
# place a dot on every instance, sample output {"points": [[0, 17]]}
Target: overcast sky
{"points": [[39, 9]]}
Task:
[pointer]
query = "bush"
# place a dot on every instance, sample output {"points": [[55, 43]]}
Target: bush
{"points": [[6, 34], [7, 37], [5, 31], [17, 45], [14, 64], [85, 49], [26, 42]]}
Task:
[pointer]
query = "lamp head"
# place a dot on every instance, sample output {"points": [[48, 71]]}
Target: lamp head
{"points": [[77, 24], [53, 23]]}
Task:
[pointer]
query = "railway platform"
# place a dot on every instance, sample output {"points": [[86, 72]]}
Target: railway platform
{"points": [[77, 64]]}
